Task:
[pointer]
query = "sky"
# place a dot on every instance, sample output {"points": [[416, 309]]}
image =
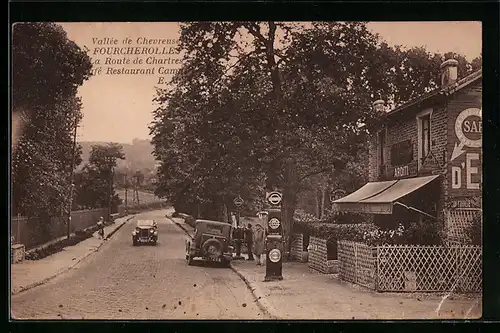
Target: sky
{"points": [[118, 108]]}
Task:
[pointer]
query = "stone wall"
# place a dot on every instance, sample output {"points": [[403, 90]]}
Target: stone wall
{"points": [[24, 233]]}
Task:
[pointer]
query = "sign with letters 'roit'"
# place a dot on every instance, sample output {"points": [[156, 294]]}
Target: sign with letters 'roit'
{"points": [[465, 151], [405, 171]]}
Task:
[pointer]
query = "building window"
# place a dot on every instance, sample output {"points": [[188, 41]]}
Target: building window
{"points": [[402, 153], [424, 135]]}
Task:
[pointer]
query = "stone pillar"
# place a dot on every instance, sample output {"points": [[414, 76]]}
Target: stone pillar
{"points": [[17, 253]]}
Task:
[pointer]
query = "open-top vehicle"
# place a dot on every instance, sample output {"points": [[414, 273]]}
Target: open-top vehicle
{"points": [[146, 231], [211, 242]]}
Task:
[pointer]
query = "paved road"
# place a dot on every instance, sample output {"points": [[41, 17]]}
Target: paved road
{"points": [[146, 282]]}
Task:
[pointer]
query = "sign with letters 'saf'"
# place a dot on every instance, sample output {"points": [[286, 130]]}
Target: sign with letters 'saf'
{"points": [[465, 152]]}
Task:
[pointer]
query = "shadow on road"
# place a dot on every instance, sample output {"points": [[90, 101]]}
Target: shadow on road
{"points": [[208, 264]]}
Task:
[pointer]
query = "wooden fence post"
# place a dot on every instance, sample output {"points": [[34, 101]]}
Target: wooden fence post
{"points": [[355, 263], [457, 268]]}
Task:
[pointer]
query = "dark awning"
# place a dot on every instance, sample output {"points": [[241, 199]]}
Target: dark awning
{"points": [[379, 197]]}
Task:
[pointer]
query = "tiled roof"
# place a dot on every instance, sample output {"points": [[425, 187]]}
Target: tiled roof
{"points": [[447, 90]]}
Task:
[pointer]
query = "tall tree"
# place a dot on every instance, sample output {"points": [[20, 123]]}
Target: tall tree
{"points": [[241, 106], [47, 69], [94, 184]]}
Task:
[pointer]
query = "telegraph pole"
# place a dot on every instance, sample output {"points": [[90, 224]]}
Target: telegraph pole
{"points": [[126, 192], [110, 185], [72, 178]]}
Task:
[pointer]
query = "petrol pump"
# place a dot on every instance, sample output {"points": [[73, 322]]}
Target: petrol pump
{"points": [[274, 239]]}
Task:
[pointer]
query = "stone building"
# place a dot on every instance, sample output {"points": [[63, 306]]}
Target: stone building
{"points": [[426, 160]]}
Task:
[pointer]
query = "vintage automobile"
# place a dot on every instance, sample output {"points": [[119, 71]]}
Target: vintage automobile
{"points": [[211, 242], [146, 231]]}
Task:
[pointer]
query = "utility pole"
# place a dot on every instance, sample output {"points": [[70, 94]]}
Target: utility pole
{"points": [[18, 240], [126, 192], [110, 188], [72, 178]]}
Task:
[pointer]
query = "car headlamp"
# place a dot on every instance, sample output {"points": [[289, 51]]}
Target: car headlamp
{"points": [[151, 230]]}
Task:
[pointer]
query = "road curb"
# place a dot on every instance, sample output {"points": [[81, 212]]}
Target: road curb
{"points": [[180, 226], [73, 264], [119, 226], [258, 296]]}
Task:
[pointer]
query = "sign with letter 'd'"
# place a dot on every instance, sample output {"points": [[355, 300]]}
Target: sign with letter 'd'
{"points": [[465, 149]]}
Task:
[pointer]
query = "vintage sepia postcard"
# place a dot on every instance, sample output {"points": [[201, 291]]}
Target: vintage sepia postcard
{"points": [[246, 170]]}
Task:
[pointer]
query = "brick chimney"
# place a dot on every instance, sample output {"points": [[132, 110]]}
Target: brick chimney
{"points": [[379, 105], [449, 72]]}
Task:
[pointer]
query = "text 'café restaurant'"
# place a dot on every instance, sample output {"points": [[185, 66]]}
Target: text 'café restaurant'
{"points": [[426, 161]]}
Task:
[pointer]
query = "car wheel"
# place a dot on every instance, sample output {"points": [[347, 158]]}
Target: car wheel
{"points": [[155, 242], [189, 260], [134, 243]]}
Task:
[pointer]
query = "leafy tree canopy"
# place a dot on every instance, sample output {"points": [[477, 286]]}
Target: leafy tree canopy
{"points": [[94, 183], [47, 69], [257, 99]]}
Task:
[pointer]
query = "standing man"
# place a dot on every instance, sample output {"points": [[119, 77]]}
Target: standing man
{"points": [[259, 243], [100, 226], [249, 240]]}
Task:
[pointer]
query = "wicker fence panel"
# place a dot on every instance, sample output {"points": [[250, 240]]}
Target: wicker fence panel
{"points": [[457, 222], [429, 268], [297, 247], [470, 269], [365, 265], [347, 265], [357, 263]]}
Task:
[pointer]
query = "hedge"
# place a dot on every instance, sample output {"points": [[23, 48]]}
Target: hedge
{"points": [[332, 232], [474, 231], [406, 232], [346, 218]]}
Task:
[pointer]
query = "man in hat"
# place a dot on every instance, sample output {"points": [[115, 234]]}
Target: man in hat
{"points": [[259, 237], [249, 240]]}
